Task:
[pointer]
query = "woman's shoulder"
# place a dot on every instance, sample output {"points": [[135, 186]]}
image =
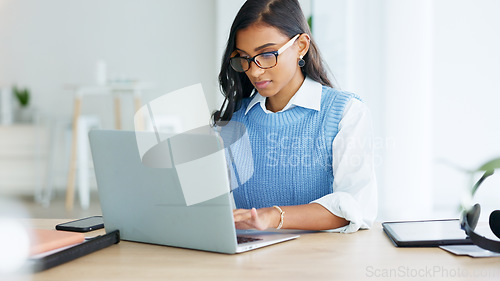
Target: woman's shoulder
{"points": [[338, 103], [337, 95]]}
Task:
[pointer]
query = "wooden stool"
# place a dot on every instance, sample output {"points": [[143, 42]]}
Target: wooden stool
{"points": [[114, 89]]}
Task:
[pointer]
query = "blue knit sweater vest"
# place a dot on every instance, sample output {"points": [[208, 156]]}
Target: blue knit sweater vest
{"points": [[292, 152]]}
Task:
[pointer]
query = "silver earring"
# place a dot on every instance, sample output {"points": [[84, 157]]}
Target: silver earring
{"points": [[302, 62]]}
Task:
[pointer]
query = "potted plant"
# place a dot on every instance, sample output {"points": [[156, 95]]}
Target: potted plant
{"points": [[23, 114], [487, 169]]}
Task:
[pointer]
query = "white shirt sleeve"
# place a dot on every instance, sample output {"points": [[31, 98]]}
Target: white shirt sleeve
{"points": [[354, 194]]}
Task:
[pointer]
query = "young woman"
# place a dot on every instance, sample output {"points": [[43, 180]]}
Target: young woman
{"points": [[310, 143]]}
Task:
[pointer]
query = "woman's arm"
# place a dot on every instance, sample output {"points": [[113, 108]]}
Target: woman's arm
{"points": [[309, 217]]}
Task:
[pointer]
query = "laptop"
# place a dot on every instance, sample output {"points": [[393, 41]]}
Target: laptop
{"points": [[148, 204]]}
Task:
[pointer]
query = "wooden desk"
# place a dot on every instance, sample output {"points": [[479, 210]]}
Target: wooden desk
{"points": [[365, 255]]}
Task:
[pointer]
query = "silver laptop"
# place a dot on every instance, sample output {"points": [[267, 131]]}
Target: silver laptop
{"points": [[148, 204]]}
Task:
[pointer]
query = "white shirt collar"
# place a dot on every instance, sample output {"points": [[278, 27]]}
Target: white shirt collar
{"points": [[308, 96]]}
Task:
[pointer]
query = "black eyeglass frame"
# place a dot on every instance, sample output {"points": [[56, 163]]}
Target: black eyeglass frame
{"points": [[275, 53], [250, 60]]}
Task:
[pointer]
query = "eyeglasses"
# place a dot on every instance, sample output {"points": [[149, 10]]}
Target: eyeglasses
{"points": [[264, 60]]}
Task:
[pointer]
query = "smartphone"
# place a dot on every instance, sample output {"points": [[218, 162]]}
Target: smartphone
{"points": [[82, 225]]}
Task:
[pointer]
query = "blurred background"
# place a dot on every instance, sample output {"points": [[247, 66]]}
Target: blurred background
{"points": [[427, 69]]}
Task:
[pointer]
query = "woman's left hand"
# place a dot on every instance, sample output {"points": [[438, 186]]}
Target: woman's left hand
{"points": [[260, 219]]}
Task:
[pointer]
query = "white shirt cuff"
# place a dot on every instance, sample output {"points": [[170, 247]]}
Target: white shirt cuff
{"points": [[343, 205]]}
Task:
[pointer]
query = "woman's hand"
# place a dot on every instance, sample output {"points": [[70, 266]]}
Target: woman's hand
{"points": [[308, 217], [260, 219]]}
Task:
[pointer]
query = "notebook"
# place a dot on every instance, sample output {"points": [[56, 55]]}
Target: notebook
{"points": [[44, 240], [148, 204], [62, 254]]}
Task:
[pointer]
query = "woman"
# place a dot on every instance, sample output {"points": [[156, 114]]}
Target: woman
{"points": [[311, 144]]}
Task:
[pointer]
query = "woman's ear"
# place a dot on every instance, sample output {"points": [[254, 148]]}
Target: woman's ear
{"points": [[303, 41]]}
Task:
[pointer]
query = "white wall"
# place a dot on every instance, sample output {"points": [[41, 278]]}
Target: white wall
{"points": [[427, 70], [466, 130], [408, 108], [45, 45], [48, 44]]}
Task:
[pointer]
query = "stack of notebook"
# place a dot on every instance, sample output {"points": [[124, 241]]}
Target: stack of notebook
{"points": [[49, 248]]}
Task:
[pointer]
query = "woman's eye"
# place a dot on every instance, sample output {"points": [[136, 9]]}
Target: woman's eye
{"points": [[267, 55], [239, 55]]}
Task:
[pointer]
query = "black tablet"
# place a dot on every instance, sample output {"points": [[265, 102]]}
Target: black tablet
{"points": [[426, 233]]}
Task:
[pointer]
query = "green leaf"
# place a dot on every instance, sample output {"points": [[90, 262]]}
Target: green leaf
{"points": [[490, 165], [22, 95], [310, 23]]}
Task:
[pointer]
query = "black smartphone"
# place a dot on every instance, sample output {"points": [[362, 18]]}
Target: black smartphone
{"points": [[82, 225]]}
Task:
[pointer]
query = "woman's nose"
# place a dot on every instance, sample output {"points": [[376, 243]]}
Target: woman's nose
{"points": [[254, 70]]}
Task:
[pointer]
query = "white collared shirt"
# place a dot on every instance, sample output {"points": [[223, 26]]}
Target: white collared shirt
{"points": [[307, 96], [354, 194]]}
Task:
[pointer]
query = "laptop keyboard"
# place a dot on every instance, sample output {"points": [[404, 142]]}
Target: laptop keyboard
{"points": [[243, 239]]}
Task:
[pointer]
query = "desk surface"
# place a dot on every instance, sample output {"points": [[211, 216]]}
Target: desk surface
{"points": [[365, 255]]}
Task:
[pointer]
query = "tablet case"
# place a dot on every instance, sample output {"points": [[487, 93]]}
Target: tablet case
{"points": [[72, 253], [423, 242]]}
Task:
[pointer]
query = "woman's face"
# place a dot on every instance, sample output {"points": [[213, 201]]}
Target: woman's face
{"points": [[281, 81]]}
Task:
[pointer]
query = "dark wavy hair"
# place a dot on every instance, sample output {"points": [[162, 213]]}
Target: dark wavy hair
{"points": [[286, 16]]}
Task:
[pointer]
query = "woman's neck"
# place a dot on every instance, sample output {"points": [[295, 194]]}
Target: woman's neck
{"points": [[280, 100]]}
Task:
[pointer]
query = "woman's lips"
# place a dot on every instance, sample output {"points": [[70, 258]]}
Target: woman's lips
{"points": [[262, 84]]}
